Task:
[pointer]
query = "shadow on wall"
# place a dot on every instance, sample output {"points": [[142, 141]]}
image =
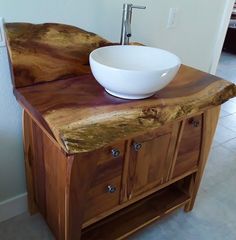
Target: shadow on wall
{"points": [[12, 181]]}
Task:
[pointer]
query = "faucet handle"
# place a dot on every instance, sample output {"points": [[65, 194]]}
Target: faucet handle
{"points": [[138, 7]]}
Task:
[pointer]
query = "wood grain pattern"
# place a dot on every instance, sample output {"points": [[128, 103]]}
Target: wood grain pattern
{"points": [[210, 120], [42, 53], [137, 216], [70, 191], [29, 157], [149, 166], [71, 125], [108, 172], [46, 177], [50, 51], [80, 179], [190, 145], [83, 117]]}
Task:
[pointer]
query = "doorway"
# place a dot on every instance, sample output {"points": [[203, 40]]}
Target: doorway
{"points": [[225, 136], [227, 63]]}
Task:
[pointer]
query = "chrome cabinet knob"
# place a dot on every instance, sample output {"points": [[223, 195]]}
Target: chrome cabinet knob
{"points": [[195, 123], [137, 146], [111, 188], [115, 152]]}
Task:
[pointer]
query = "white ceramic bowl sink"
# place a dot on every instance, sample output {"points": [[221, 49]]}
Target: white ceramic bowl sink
{"points": [[133, 72]]}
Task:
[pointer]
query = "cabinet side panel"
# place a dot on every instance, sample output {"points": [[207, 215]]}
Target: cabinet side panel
{"points": [[29, 158], [210, 120], [55, 187], [46, 179], [39, 169], [81, 173]]}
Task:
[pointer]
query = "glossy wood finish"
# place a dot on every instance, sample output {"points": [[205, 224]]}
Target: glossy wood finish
{"points": [[130, 202], [28, 154], [210, 119], [139, 215], [80, 182], [149, 166], [50, 51], [46, 172], [190, 145], [83, 117], [107, 174], [75, 179]]}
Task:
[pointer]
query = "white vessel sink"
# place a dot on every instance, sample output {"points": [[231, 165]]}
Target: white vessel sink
{"points": [[133, 72]]}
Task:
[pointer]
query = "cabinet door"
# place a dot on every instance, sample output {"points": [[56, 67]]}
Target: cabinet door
{"points": [[150, 160], [190, 145]]}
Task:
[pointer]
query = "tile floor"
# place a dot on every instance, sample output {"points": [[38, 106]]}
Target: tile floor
{"points": [[214, 214]]}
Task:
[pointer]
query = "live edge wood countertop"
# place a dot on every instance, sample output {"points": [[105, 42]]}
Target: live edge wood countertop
{"points": [[77, 111]]}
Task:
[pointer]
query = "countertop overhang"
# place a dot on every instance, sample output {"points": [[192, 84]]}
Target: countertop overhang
{"points": [[82, 117]]}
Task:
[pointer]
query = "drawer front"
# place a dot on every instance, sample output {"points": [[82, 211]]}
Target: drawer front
{"points": [[190, 145], [102, 198], [104, 192]]}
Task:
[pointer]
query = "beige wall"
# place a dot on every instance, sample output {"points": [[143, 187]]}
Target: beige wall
{"points": [[193, 40]]}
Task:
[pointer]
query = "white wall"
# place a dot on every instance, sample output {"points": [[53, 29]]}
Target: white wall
{"points": [[83, 14], [193, 40], [76, 12], [11, 154]]}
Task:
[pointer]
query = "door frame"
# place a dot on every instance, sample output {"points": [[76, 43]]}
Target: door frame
{"points": [[221, 34]]}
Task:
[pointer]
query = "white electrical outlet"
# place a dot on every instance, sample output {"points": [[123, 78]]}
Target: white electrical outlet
{"points": [[2, 36], [172, 18]]}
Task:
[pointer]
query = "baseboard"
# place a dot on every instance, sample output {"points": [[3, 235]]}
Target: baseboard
{"points": [[13, 207]]}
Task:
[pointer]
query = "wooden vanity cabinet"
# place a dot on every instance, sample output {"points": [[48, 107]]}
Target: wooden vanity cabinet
{"points": [[142, 178], [165, 167], [100, 167]]}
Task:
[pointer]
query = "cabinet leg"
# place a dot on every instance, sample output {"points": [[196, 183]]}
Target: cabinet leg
{"points": [[81, 171], [192, 189], [189, 207], [210, 119], [28, 155]]}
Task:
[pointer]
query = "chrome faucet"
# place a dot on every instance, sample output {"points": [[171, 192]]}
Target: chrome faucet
{"points": [[126, 22]]}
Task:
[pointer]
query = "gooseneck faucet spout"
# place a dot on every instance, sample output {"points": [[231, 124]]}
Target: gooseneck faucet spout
{"points": [[126, 22]]}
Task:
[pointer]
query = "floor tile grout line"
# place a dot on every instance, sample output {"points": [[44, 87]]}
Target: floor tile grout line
{"points": [[226, 148], [228, 128], [228, 140], [228, 114]]}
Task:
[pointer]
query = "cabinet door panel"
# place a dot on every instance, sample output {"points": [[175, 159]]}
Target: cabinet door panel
{"points": [[190, 145], [149, 166]]}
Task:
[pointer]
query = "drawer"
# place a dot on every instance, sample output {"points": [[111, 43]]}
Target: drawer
{"points": [[190, 146], [104, 191], [102, 198]]}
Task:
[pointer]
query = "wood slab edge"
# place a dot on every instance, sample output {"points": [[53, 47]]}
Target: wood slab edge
{"points": [[107, 125]]}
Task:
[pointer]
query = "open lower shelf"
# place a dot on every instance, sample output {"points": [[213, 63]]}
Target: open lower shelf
{"points": [[132, 218]]}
